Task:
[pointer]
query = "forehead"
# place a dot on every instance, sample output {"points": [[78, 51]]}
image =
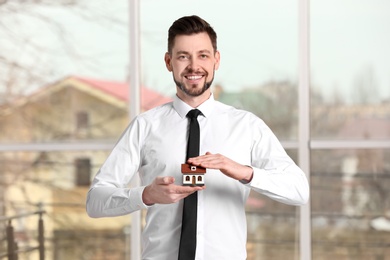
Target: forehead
{"points": [[192, 43]]}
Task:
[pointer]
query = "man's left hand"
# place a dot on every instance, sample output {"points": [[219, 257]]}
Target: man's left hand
{"points": [[227, 166]]}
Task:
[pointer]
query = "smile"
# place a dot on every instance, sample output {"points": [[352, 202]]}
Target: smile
{"points": [[195, 77]]}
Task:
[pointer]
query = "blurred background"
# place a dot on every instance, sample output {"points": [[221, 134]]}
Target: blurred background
{"points": [[65, 73]]}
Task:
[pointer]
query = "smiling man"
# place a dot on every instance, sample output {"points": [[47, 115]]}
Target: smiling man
{"points": [[237, 150]]}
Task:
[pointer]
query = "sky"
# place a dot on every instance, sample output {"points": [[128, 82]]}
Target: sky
{"points": [[258, 41]]}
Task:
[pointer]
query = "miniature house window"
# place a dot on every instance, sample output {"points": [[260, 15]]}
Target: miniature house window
{"points": [[187, 178], [83, 171], [82, 120], [199, 178]]}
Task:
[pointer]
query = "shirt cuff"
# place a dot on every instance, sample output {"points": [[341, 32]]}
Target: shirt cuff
{"points": [[136, 198], [243, 181], [260, 179]]}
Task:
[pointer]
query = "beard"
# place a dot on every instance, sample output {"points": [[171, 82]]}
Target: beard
{"points": [[193, 92]]}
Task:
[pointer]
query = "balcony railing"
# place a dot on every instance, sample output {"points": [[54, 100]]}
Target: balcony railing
{"points": [[12, 246]]}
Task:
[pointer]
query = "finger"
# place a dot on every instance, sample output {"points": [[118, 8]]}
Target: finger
{"points": [[206, 161], [204, 158], [197, 160], [165, 180], [200, 156], [188, 190]]}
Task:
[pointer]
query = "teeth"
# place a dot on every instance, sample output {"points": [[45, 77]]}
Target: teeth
{"points": [[193, 77]]}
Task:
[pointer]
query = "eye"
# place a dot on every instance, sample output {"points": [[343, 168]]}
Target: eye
{"points": [[204, 56], [183, 57]]}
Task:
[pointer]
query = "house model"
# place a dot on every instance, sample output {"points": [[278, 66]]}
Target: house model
{"points": [[193, 175]]}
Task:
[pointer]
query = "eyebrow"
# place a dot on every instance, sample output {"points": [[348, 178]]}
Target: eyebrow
{"points": [[186, 52]]}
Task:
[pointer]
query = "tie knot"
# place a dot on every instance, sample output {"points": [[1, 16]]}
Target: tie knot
{"points": [[194, 113]]}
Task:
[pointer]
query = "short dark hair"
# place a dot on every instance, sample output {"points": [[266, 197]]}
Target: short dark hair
{"points": [[188, 25]]}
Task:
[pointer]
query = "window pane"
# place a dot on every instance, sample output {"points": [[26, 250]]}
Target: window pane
{"points": [[350, 69], [65, 71], [350, 200], [48, 181]]}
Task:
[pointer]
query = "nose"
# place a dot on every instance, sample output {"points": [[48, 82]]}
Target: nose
{"points": [[193, 64]]}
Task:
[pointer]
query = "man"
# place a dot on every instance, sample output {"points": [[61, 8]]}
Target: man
{"points": [[238, 150]]}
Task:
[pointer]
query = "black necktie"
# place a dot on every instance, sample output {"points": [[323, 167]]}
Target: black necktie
{"points": [[188, 229]]}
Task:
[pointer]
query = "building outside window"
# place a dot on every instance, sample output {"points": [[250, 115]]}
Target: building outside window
{"points": [[82, 120]]}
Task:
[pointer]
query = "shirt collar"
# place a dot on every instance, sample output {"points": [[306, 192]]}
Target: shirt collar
{"points": [[183, 108]]}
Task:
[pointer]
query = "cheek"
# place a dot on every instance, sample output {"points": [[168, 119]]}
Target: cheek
{"points": [[209, 67], [210, 71], [178, 68], [177, 74]]}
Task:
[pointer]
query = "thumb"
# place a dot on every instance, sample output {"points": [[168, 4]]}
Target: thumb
{"points": [[166, 180]]}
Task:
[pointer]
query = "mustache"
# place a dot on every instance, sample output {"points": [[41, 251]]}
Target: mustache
{"points": [[196, 72]]}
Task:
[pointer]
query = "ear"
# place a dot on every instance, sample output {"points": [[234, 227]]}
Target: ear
{"points": [[167, 59], [217, 57]]}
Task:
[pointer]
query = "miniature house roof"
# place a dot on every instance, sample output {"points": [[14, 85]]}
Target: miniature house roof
{"points": [[192, 169]]}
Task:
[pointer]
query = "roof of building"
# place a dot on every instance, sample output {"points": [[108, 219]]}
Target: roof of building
{"points": [[114, 92], [120, 90]]}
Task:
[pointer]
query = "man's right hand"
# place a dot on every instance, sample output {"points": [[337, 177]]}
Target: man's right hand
{"points": [[163, 190]]}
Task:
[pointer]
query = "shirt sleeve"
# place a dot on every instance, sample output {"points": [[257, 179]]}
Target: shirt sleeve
{"points": [[109, 194], [275, 174]]}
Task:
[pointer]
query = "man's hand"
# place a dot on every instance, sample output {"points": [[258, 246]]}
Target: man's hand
{"points": [[163, 190], [225, 165]]}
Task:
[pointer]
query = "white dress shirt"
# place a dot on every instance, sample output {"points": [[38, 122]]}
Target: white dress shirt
{"points": [[155, 143]]}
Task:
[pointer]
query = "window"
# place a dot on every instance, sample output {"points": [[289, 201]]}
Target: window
{"points": [[83, 171], [82, 120]]}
